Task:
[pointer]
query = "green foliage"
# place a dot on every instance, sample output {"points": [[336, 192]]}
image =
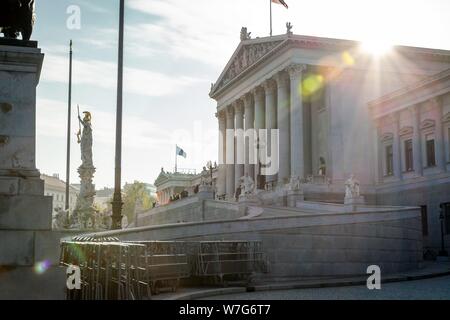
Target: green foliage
{"points": [[136, 197]]}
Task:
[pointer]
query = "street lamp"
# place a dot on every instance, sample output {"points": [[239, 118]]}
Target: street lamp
{"points": [[117, 199], [443, 252]]}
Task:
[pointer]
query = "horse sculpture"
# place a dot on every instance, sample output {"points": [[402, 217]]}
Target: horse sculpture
{"points": [[17, 16]]}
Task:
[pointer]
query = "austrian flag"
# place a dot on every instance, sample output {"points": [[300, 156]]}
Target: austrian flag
{"points": [[282, 2]]}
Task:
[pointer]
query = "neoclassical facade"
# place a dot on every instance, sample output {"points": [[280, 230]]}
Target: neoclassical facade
{"points": [[339, 111]]}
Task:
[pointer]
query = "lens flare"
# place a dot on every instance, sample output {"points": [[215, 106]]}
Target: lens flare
{"points": [[41, 267], [347, 58], [376, 46], [312, 84]]}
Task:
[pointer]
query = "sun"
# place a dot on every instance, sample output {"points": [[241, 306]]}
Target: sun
{"points": [[376, 46]]}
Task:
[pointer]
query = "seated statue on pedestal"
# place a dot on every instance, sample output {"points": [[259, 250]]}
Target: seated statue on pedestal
{"points": [[17, 16], [352, 188], [247, 185]]}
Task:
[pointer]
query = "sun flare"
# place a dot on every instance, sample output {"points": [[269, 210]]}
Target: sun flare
{"points": [[376, 46]]}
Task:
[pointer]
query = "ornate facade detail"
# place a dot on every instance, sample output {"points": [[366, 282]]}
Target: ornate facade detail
{"points": [[238, 107], [429, 123], [246, 57], [387, 136], [296, 70], [406, 131], [282, 79], [269, 86]]}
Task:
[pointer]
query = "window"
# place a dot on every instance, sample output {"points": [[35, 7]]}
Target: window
{"points": [[389, 161], [431, 158], [424, 220], [446, 211], [409, 155]]}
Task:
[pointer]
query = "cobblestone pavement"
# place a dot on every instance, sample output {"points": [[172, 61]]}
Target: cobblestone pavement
{"points": [[429, 289]]}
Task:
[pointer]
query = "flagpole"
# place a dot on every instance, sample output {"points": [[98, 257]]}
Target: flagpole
{"points": [[69, 120], [176, 158], [117, 199], [270, 1]]}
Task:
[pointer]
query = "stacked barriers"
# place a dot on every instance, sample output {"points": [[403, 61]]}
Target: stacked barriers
{"points": [[136, 270], [118, 270]]}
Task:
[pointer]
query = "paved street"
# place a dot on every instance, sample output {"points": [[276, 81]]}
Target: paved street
{"points": [[430, 289]]}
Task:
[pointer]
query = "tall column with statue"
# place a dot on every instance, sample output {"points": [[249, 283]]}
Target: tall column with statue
{"points": [[84, 216]]}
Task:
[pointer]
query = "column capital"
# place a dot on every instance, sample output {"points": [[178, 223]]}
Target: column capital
{"points": [[296, 70], [247, 99], [229, 112], [258, 92], [269, 86], [282, 79], [238, 108], [221, 114]]}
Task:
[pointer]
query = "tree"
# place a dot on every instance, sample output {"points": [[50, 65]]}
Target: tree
{"points": [[136, 197]]}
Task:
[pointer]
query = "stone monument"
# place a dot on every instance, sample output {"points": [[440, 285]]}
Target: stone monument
{"points": [[248, 190], [17, 16], [24, 210], [295, 192], [352, 193], [84, 215]]}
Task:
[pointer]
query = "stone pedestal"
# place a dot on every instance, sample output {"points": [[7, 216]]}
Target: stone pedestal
{"points": [[23, 207], [248, 199], [293, 196], [353, 202], [205, 192]]}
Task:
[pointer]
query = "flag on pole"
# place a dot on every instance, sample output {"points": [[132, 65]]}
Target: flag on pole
{"points": [[181, 153], [282, 2]]}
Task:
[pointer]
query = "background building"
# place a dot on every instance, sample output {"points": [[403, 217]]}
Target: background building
{"points": [[56, 188]]}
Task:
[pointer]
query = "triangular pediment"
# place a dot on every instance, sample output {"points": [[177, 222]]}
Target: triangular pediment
{"points": [[247, 54]]}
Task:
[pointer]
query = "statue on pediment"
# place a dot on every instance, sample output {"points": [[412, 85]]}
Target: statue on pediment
{"points": [[289, 28], [17, 17], [244, 34]]}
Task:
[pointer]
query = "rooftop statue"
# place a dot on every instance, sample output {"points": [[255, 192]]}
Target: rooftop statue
{"points": [[244, 34], [17, 16]]}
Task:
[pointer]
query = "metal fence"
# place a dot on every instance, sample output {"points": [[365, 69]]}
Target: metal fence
{"points": [[114, 270]]}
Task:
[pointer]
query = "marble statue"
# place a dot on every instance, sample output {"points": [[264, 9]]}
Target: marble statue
{"points": [[322, 167], [247, 185], [295, 183], [289, 28], [352, 188], [244, 34], [86, 139], [17, 16], [60, 219], [84, 215]]}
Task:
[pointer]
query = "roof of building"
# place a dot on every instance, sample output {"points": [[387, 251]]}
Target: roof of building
{"points": [[55, 183], [263, 48]]}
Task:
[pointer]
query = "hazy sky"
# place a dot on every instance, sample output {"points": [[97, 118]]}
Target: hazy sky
{"points": [[174, 49]]}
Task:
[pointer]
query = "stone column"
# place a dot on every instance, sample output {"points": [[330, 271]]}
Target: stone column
{"points": [[250, 137], [221, 179], [229, 156], [439, 135], [417, 144], [396, 151], [297, 146], [283, 120], [271, 121], [260, 123], [239, 142]]}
